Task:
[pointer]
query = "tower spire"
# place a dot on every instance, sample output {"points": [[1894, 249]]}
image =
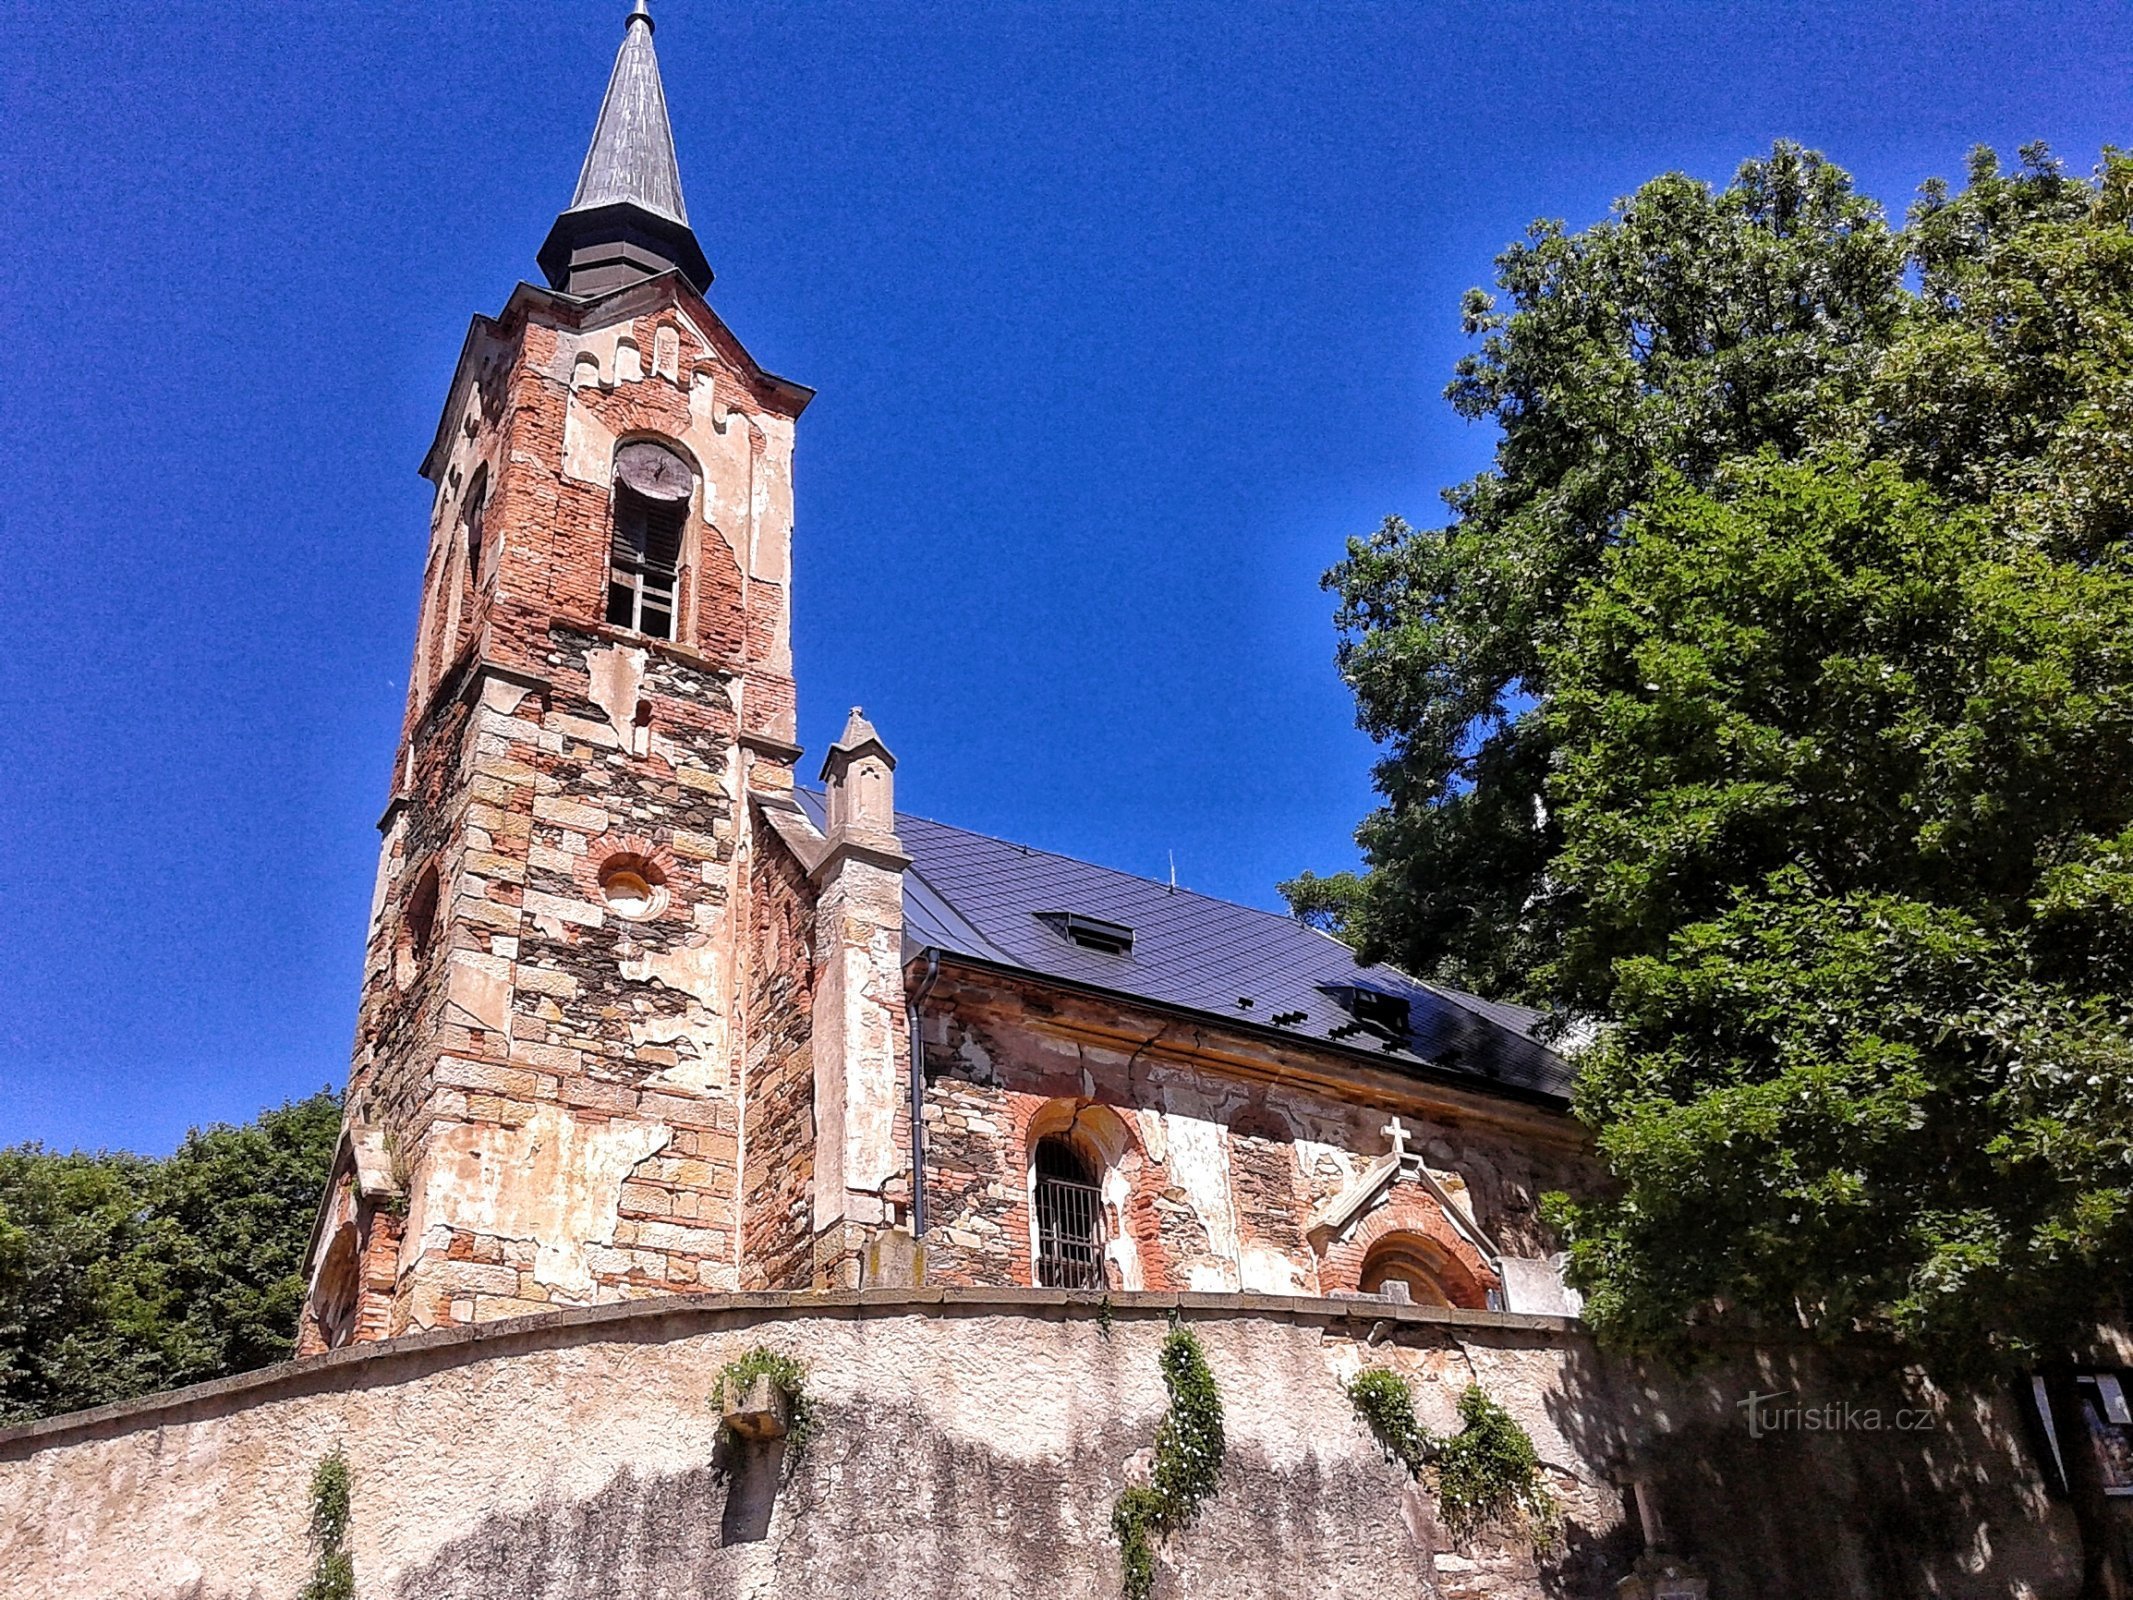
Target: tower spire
{"points": [[627, 220]]}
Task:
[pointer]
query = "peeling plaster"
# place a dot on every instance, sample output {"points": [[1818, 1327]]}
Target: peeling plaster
{"points": [[693, 970], [553, 1179], [588, 444], [1153, 1139], [1199, 1165], [616, 675], [1267, 1271], [1313, 1158]]}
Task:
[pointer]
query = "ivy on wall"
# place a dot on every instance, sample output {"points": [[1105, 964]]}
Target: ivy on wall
{"points": [[1486, 1475], [1189, 1445], [333, 1568]]}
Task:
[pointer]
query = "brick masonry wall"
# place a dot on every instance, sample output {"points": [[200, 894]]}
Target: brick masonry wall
{"points": [[1219, 1150], [778, 1176], [557, 1081]]}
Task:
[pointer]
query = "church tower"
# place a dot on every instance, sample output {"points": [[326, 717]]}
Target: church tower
{"points": [[546, 1100]]}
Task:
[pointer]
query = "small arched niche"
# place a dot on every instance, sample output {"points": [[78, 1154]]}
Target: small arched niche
{"points": [[418, 928], [1423, 1269]]}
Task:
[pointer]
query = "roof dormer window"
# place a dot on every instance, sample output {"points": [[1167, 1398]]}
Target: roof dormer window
{"points": [[1386, 1015], [1091, 933]]}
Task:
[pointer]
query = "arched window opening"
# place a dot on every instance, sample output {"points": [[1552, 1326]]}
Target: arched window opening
{"points": [[1409, 1262], [336, 1296], [652, 486], [1070, 1227], [422, 912], [418, 928], [477, 503]]}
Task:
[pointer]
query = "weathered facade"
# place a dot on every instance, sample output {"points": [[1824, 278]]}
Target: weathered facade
{"points": [[665, 1057], [973, 1442], [638, 1011]]}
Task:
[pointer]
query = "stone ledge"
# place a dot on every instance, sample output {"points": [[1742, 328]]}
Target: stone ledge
{"points": [[376, 1363]]}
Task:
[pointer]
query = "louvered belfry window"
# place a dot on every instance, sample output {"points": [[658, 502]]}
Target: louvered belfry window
{"points": [[652, 487], [1070, 1242]]}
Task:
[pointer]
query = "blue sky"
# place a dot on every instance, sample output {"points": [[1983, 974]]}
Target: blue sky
{"points": [[1123, 317]]}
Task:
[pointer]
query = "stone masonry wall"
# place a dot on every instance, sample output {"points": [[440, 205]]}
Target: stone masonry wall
{"points": [[1219, 1149], [580, 1139], [974, 1444], [553, 1072]]}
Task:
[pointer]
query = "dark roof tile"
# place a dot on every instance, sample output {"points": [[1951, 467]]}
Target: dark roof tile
{"points": [[980, 897]]}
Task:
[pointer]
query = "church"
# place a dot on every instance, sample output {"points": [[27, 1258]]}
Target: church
{"points": [[747, 1188], [653, 1005]]}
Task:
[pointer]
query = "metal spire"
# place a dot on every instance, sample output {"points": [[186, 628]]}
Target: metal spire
{"points": [[632, 154], [627, 220]]}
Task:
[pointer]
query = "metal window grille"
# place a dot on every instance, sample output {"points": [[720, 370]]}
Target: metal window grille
{"points": [[643, 558], [1070, 1229]]}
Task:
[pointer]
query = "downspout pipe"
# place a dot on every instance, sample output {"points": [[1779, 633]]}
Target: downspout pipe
{"points": [[918, 1092]]}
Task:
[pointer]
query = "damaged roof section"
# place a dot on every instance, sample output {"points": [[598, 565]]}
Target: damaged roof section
{"points": [[1000, 903]]}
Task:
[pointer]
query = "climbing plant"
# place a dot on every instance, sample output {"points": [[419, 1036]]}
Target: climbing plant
{"points": [[790, 1375], [1386, 1402], [1487, 1474], [1189, 1445], [332, 1568]]}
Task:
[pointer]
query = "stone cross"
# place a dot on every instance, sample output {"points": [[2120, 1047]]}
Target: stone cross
{"points": [[1399, 1137]]}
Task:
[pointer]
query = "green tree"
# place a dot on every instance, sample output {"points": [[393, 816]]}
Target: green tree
{"points": [[1844, 788], [1818, 797], [1690, 328], [120, 1275]]}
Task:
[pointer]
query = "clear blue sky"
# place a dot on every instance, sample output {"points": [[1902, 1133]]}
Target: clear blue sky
{"points": [[1123, 316]]}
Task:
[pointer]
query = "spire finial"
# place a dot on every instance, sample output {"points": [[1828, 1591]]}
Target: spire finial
{"points": [[626, 220]]}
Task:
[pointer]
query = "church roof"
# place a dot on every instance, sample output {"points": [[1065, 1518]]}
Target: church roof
{"points": [[1010, 906], [632, 152], [627, 219]]}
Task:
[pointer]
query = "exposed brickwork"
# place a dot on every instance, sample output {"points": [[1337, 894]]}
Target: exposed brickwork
{"points": [[702, 1083], [1226, 1151], [560, 1076], [778, 1180]]}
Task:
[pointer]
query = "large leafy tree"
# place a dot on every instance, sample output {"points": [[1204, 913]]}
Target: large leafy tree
{"points": [[1813, 787], [1845, 782], [120, 1275], [1692, 327]]}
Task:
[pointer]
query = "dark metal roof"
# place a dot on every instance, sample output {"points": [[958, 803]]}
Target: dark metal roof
{"points": [[971, 895]]}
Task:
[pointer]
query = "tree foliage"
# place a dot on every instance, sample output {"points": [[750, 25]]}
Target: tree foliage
{"points": [[120, 1275], [1845, 778], [1691, 327], [1770, 702]]}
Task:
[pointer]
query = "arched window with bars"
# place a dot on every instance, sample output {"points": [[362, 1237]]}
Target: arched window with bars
{"points": [[1069, 1216]]}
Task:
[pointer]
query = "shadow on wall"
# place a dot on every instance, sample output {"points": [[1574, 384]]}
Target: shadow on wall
{"points": [[1852, 1471], [883, 1504]]}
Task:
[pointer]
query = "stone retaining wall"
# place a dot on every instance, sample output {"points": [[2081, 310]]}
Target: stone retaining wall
{"points": [[972, 1442]]}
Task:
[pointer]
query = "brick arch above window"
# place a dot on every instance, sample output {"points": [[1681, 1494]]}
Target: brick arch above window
{"points": [[1411, 1215], [1108, 1142]]}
